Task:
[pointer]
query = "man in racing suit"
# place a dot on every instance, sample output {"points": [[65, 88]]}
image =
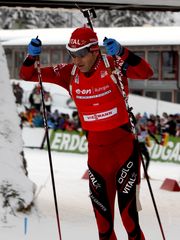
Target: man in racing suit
{"points": [[113, 157]]}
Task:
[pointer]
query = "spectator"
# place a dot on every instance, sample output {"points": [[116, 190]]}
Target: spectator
{"points": [[68, 124], [144, 134], [47, 101], [151, 126], [171, 125], [178, 130], [35, 98], [37, 120], [51, 123], [18, 92], [164, 120], [76, 121], [61, 122], [55, 115], [158, 125]]}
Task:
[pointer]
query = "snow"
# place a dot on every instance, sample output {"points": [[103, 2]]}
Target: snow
{"points": [[152, 106], [11, 146], [75, 211], [76, 215], [127, 36]]}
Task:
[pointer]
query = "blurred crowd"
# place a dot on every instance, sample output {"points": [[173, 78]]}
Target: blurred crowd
{"points": [[33, 116], [157, 125]]}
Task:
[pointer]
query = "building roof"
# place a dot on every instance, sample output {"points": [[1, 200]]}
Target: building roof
{"points": [[127, 36]]}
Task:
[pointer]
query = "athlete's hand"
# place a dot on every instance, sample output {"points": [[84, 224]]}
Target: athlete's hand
{"points": [[112, 46], [34, 47]]}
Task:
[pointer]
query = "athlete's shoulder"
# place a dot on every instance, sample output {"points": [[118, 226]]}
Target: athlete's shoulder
{"points": [[63, 67]]}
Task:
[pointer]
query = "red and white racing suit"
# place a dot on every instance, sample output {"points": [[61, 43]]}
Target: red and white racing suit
{"points": [[113, 157]]}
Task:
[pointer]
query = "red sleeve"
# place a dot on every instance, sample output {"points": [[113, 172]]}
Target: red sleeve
{"points": [[137, 67], [60, 74], [133, 67]]}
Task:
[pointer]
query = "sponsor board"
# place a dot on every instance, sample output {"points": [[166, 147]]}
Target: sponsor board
{"points": [[168, 153], [65, 141], [75, 142]]}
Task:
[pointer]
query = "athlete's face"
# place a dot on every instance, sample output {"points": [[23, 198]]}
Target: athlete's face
{"points": [[85, 63]]}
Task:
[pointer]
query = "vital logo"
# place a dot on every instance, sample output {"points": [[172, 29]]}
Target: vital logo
{"points": [[129, 185], [76, 42], [93, 180]]}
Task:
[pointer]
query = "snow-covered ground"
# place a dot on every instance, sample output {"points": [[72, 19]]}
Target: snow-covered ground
{"points": [[76, 215]]}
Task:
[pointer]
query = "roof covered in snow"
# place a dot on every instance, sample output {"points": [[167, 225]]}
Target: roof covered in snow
{"points": [[128, 36]]}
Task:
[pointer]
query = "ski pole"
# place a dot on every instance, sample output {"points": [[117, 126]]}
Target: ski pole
{"points": [[91, 13], [153, 199], [48, 145]]}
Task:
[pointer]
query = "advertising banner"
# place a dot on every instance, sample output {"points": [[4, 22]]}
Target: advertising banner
{"points": [[168, 153], [64, 141], [75, 142]]}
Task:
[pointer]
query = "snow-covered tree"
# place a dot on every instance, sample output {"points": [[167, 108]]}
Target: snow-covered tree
{"points": [[116, 18], [16, 189], [12, 18]]}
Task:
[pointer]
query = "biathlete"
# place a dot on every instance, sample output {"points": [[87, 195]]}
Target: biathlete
{"points": [[113, 157]]}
